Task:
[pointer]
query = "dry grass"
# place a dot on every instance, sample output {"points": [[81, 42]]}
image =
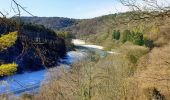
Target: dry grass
{"points": [[152, 75], [106, 79], [9, 97]]}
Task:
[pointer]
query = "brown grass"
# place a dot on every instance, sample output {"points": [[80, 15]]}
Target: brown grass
{"points": [[107, 79], [152, 75]]}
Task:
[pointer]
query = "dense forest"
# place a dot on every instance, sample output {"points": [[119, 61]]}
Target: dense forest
{"points": [[31, 47], [55, 23]]}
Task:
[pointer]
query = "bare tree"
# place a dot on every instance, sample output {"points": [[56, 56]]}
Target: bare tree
{"points": [[147, 9]]}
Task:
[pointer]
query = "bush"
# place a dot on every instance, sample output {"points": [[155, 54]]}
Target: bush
{"points": [[89, 80], [65, 34], [135, 37], [125, 35], [8, 69], [153, 94], [8, 40], [27, 97], [149, 43], [134, 52], [138, 38], [116, 34]]}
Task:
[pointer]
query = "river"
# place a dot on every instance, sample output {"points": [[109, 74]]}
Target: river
{"points": [[31, 82]]}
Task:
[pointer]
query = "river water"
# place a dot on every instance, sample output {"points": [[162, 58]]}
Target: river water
{"points": [[26, 82]]}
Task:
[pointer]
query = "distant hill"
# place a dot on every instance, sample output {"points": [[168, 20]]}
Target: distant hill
{"points": [[55, 23], [76, 26], [100, 30], [91, 26]]}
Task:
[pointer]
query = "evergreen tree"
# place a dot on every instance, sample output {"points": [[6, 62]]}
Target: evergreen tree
{"points": [[116, 34]]}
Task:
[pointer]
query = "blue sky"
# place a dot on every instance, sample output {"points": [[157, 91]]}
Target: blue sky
{"points": [[66, 8]]}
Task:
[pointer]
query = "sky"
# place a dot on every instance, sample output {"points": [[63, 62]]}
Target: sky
{"points": [[80, 9]]}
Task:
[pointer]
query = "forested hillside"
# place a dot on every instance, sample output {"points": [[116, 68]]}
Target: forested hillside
{"points": [[100, 30], [103, 30], [31, 47]]}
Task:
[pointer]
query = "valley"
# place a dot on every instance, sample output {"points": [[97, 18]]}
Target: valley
{"points": [[120, 55]]}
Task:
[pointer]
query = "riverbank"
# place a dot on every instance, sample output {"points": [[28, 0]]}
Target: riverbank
{"points": [[82, 43], [21, 83]]}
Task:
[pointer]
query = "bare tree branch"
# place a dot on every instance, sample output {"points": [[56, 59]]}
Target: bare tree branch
{"points": [[146, 9], [2, 14], [19, 6]]}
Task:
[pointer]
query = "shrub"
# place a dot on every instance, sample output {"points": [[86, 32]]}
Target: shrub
{"points": [[135, 52], [27, 97], [149, 43], [125, 35], [138, 38], [135, 37], [153, 94], [116, 34], [8, 40], [65, 34], [139, 42], [88, 80], [8, 69]]}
